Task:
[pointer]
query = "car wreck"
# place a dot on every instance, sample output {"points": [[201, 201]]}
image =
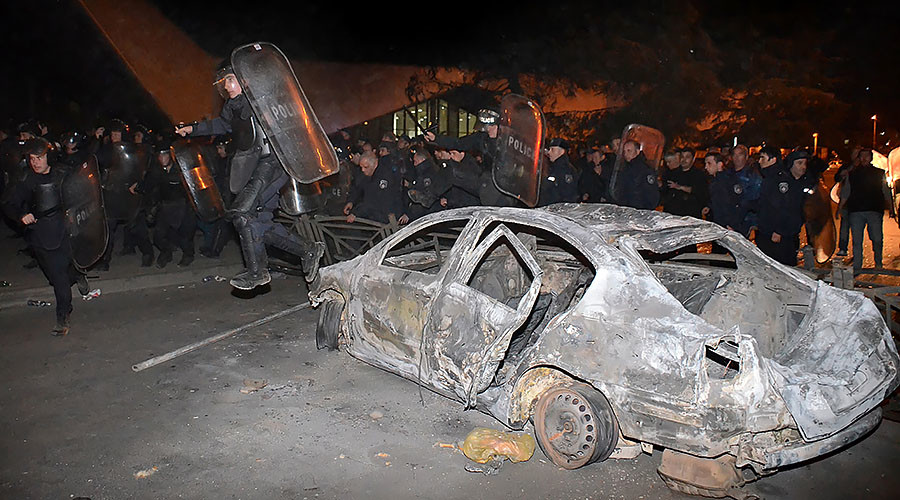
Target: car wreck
{"points": [[604, 327]]}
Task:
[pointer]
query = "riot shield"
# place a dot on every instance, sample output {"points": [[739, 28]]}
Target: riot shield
{"points": [[297, 198], [820, 232], [85, 217], [652, 142], [517, 167], [894, 179], [127, 164], [284, 113], [197, 179], [327, 195]]}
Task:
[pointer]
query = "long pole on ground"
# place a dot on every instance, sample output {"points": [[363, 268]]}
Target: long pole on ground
{"points": [[215, 338]]}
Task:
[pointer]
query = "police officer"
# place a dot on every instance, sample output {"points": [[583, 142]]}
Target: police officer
{"points": [[175, 221], [640, 185], [377, 195], [255, 178], [465, 177], [36, 203], [134, 227], [483, 140], [559, 184], [721, 206], [781, 214], [72, 156], [428, 190], [747, 184], [593, 184]]}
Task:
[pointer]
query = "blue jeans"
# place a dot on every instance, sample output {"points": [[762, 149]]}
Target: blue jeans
{"points": [[860, 221]]}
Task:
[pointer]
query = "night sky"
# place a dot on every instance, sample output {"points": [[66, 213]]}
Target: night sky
{"points": [[62, 69]]}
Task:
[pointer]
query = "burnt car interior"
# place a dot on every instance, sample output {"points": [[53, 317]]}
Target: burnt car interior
{"points": [[566, 275], [718, 284]]}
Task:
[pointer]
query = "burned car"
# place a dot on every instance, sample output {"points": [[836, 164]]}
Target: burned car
{"points": [[604, 327]]}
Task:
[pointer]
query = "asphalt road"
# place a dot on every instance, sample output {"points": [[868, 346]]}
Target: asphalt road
{"points": [[76, 421]]}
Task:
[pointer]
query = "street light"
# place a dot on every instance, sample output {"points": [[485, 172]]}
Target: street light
{"points": [[815, 144], [874, 128]]}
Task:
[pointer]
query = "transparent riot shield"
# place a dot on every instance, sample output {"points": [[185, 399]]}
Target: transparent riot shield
{"points": [[197, 179], [894, 179], [517, 167], [651, 143], [298, 199], [284, 113], [820, 231], [326, 196], [85, 216], [127, 164]]}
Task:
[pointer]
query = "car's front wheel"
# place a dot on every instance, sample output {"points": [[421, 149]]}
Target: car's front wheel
{"points": [[575, 425]]}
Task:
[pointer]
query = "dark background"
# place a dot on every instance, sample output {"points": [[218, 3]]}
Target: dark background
{"points": [[791, 70]]}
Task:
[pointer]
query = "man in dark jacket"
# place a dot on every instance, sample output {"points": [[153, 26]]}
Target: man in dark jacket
{"points": [[559, 183], [594, 181], [781, 216], [36, 203], [684, 187], [377, 195], [640, 183], [869, 197]]}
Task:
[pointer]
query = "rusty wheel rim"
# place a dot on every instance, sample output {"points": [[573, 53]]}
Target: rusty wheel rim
{"points": [[566, 427]]}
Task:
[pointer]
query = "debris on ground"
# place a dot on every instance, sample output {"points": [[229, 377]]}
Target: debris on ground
{"points": [[141, 474], [212, 277], [38, 303], [253, 385], [4, 284], [484, 445], [93, 294], [375, 415], [490, 468]]}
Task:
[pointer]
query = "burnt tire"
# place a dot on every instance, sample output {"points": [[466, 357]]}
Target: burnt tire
{"points": [[328, 326], [575, 426]]}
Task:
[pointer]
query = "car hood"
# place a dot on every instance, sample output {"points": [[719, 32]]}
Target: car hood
{"points": [[839, 364]]}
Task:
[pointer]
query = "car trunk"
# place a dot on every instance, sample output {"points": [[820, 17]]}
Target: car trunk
{"points": [[837, 365]]}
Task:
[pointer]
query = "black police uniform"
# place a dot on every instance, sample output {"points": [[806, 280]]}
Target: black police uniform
{"points": [[640, 188], [560, 183], [430, 185], [175, 220], [376, 197], [781, 211], [41, 196]]}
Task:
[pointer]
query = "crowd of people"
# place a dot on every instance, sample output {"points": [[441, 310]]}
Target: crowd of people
{"points": [[765, 196], [762, 196]]}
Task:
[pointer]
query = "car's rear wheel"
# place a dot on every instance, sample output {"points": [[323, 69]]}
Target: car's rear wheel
{"points": [[328, 326], [575, 426]]}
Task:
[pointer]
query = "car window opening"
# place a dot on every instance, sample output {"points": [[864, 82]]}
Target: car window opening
{"points": [[426, 250], [728, 289], [722, 361]]}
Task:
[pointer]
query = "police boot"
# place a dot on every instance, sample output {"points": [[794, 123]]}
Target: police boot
{"points": [[164, 258], [147, 260], [255, 257], [310, 252], [186, 260], [82, 283], [62, 327]]}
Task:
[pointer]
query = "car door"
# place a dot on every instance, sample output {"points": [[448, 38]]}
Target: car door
{"points": [[467, 331], [398, 291]]}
